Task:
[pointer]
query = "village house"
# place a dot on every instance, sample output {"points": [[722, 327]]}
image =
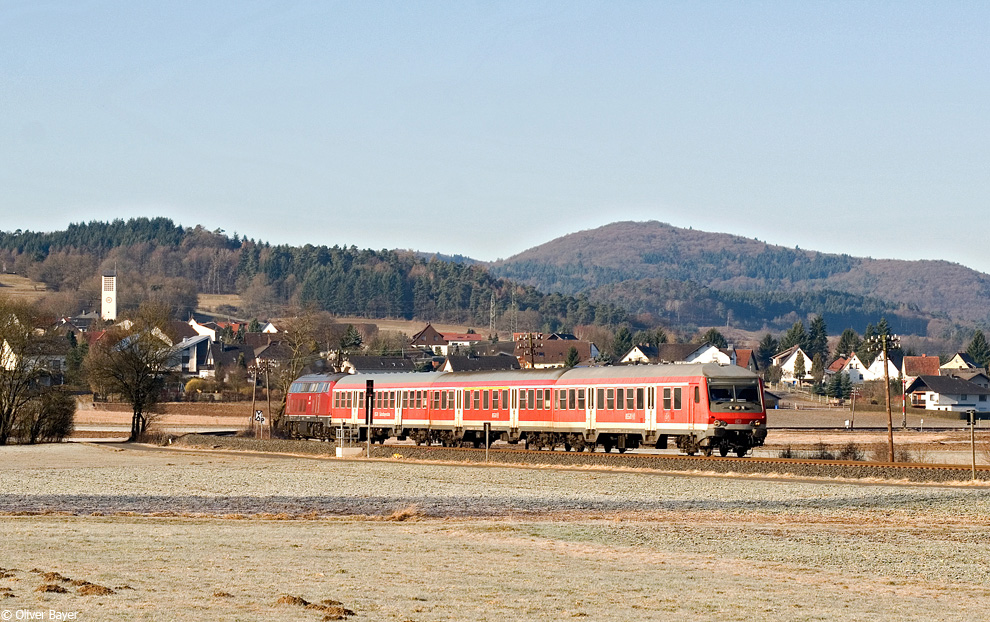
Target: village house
{"points": [[444, 343], [876, 369], [788, 360], [947, 393]]}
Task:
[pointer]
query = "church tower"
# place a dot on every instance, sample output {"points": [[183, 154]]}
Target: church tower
{"points": [[109, 312]]}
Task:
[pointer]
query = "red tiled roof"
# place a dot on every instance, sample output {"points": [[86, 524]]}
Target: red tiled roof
{"points": [[921, 366], [838, 364]]}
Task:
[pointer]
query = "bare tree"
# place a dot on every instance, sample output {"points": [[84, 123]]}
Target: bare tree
{"points": [[47, 418], [20, 368], [299, 347], [134, 365]]}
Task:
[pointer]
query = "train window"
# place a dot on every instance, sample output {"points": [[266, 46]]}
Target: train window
{"points": [[531, 399], [561, 399], [484, 399], [640, 398], [697, 395], [435, 400], [651, 398], [580, 399], [677, 398], [600, 399], [296, 387], [630, 399], [360, 399], [666, 398], [505, 398], [515, 397], [336, 399], [347, 399], [477, 400], [460, 398], [610, 399], [443, 400], [546, 399], [494, 400], [539, 399], [571, 399]]}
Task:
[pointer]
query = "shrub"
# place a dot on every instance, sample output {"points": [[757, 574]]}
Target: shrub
{"points": [[820, 451], [851, 451]]}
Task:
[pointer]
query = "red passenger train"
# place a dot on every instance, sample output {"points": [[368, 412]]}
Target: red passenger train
{"points": [[703, 407]]}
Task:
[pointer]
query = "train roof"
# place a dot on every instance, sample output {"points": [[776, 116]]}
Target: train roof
{"points": [[676, 370], [641, 373], [319, 377], [429, 378]]}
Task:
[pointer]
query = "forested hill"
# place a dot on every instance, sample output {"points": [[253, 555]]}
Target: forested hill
{"points": [[639, 263], [159, 260]]}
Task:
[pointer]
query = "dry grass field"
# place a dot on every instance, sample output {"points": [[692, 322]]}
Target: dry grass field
{"points": [[20, 288], [180, 535]]}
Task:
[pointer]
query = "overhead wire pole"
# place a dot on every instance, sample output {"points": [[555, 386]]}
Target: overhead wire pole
{"points": [[886, 385]]}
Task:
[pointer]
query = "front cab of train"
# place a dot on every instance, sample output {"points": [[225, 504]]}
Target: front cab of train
{"points": [[737, 414]]}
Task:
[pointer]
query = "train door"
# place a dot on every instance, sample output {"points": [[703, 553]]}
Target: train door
{"points": [[589, 416], [458, 408], [651, 409], [513, 407]]}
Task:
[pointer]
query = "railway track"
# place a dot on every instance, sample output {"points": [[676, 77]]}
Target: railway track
{"points": [[798, 467]]}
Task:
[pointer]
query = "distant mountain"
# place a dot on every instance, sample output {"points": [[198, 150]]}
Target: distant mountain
{"points": [[700, 276]]}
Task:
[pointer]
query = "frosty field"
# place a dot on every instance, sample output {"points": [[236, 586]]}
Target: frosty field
{"points": [[179, 535]]}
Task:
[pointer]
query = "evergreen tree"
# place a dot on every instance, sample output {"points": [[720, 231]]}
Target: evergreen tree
{"points": [[622, 343], [351, 339], [818, 338], [979, 349], [795, 336], [573, 358], [800, 371], [817, 368], [848, 343], [869, 346], [845, 382], [834, 387], [714, 338], [767, 348]]}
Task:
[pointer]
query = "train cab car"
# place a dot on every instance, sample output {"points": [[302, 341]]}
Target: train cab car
{"points": [[736, 412], [307, 405]]}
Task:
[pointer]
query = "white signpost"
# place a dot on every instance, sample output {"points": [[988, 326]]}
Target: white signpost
{"points": [[259, 416]]}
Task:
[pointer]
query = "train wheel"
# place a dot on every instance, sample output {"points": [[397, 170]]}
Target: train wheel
{"points": [[740, 451], [723, 450], [708, 450], [607, 446]]}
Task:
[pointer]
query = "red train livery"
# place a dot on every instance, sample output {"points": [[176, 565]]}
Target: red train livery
{"points": [[702, 407]]}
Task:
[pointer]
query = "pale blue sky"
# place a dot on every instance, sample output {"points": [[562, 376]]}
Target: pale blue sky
{"points": [[486, 128]]}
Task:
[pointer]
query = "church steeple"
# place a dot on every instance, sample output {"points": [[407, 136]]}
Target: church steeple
{"points": [[109, 298]]}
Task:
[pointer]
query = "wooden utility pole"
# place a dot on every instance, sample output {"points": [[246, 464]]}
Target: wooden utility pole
{"points": [[886, 386]]}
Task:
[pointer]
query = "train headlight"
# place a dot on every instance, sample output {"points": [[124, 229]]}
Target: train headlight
{"points": [[756, 424], [719, 423]]}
